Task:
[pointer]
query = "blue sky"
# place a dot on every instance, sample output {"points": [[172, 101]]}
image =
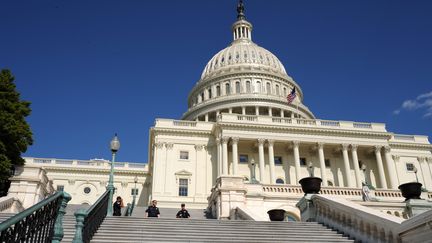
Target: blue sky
{"points": [[93, 68]]}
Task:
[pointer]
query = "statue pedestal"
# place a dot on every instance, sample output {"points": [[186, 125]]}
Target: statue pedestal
{"points": [[417, 206]]}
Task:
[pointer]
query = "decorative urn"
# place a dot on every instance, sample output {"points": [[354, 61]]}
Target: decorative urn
{"points": [[311, 184], [276, 214], [411, 190]]}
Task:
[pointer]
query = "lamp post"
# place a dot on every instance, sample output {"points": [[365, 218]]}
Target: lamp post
{"points": [[310, 169], [115, 146], [363, 168], [135, 190], [253, 179], [415, 172]]}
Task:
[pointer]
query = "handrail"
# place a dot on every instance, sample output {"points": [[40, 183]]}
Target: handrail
{"points": [[88, 221], [41, 222]]}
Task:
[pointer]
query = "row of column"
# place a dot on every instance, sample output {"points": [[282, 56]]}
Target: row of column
{"points": [[222, 150]]}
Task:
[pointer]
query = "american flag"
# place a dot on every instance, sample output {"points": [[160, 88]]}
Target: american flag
{"points": [[291, 96]]}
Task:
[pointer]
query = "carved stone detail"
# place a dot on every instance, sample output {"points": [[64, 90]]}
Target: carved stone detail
{"points": [[169, 145], [354, 147], [345, 146], [377, 148], [158, 145], [421, 159], [261, 141], [320, 145], [270, 142], [225, 139], [235, 140], [199, 147], [387, 149], [396, 157]]}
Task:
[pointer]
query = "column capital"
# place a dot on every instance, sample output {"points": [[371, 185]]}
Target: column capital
{"points": [[158, 145], [387, 149], [261, 141], [169, 145], [199, 147], [320, 145], [354, 147], [396, 157], [377, 148], [225, 140], [270, 142], [234, 140], [295, 143], [345, 146], [218, 141], [429, 159], [421, 159]]}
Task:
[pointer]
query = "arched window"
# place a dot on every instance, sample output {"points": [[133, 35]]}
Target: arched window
{"points": [[227, 89], [277, 90], [280, 181], [290, 218], [237, 87], [210, 93], [258, 87], [284, 92], [248, 87], [202, 96], [218, 91], [268, 88]]}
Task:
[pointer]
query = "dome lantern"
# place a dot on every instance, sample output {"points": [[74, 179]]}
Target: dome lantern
{"points": [[241, 29]]}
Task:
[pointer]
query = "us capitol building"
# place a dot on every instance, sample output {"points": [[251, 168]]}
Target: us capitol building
{"points": [[240, 149]]}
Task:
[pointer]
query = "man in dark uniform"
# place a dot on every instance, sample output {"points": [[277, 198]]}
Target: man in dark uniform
{"points": [[183, 213], [153, 211]]}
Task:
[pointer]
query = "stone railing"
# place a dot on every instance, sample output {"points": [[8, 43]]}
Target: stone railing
{"points": [[359, 222], [92, 163], [345, 125], [10, 204], [334, 191], [183, 124]]}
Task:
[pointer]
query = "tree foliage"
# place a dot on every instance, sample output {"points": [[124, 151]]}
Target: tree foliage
{"points": [[15, 133]]}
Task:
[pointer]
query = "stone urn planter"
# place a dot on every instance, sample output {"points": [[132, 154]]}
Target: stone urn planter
{"points": [[276, 214], [411, 190], [311, 185]]}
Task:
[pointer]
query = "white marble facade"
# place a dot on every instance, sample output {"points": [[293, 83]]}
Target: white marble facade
{"points": [[238, 113]]}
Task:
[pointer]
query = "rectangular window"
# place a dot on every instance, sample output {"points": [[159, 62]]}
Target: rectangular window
{"points": [[183, 187], [184, 155], [303, 161], [244, 158], [278, 160], [410, 166], [134, 191], [327, 162], [60, 188]]}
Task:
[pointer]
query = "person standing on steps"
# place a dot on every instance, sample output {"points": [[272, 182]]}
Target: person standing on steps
{"points": [[118, 204], [152, 210], [183, 213]]}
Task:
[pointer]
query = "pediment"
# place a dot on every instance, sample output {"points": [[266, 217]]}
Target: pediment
{"points": [[183, 173]]}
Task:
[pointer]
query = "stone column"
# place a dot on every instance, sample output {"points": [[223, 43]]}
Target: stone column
{"points": [[257, 110], [347, 166], [230, 110], [234, 142], [427, 177], [271, 161], [296, 160], [225, 156], [356, 165], [243, 110], [380, 167], [391, 168], [219, 157], [270, 112], [206, 117], [322, 163], [261, 158]]}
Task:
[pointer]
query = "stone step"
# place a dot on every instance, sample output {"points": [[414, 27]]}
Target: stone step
{"points": [[223, 238]]}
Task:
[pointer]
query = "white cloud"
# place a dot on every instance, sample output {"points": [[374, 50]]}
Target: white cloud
{"points": [[423, 102]]}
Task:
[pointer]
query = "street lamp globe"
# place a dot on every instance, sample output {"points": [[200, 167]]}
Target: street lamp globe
{"points": [[115, 144]]}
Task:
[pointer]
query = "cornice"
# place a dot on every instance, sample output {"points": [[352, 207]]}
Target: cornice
{"points": [[170, 131], [307, 130], [411, 146]]}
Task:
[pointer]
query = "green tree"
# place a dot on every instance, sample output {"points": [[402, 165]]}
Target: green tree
{"points": [[15, 133]]}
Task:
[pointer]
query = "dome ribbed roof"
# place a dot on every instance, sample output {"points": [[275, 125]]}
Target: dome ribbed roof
{"points": [[243, 53]]}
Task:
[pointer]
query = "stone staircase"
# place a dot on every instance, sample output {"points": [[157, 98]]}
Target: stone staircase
{"points": [[198, 229]]}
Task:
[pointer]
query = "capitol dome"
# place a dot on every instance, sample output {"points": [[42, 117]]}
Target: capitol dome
{"points": [[245, 79], [243, 52]]}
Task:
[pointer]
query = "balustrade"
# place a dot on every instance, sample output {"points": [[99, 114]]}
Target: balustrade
{"points": [[40, 223], [89, 221]]}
